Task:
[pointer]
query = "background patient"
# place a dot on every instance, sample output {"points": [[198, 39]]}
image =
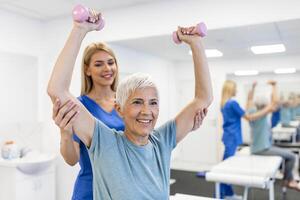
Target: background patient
{"points": [[261, 135]]}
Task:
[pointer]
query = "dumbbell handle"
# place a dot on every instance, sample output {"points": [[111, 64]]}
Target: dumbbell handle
{"points": [[81, 13], [201, 30]]}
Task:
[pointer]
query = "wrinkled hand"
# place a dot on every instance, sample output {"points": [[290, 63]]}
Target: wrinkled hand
{"points": [[188, 35], [198, 119], [92, 23], [65, 115]]}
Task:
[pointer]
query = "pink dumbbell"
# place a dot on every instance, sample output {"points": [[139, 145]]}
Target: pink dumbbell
{"points": [[200, 28], [82, 13]]}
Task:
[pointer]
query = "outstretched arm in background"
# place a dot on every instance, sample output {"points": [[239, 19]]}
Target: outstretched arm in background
{"points": [[274, 95], [250, 104]]}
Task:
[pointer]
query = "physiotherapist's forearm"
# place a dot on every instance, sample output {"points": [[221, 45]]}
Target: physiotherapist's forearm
{"points": [[259, 114], [68, 149]]}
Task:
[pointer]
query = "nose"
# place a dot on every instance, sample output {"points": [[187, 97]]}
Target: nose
{"points": [[107, 67], [145, 109]]}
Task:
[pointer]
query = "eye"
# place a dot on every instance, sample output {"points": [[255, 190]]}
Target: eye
{"points": [[153, 103], [98, 64], [111, 62], [137, 102]]}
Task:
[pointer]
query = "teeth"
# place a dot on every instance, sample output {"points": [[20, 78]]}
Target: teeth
{"points": [[107, 76], [143, 121]]}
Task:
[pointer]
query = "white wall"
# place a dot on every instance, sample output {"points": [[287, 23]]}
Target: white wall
{"points": [[18, 86], [19, 78], [20, 34]]}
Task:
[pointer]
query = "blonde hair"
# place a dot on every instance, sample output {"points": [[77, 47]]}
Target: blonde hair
{"points": [[131, 83], [228, 91], [90, 50]]}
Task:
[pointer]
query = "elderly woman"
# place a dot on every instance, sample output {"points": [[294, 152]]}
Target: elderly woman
{"points": [[134, 164]]}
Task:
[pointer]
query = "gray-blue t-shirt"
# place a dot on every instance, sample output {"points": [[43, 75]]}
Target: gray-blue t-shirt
{"points": [[125, 171], [260, 133], [285, 116]]}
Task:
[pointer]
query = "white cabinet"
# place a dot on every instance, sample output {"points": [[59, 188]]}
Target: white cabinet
{"points": [[27, 180]]}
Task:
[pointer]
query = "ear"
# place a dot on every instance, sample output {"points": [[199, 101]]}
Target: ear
{"points": [[119, 110], [87, 70]]}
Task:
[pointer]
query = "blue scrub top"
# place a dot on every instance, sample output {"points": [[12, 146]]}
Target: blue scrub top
{"points": [[275, 119], [83, 188], [232, 114]]}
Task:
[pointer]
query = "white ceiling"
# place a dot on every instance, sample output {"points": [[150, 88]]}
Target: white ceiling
{"points": [[234, 42], [47, 10]]}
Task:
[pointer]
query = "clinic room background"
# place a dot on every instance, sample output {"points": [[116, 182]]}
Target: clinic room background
{"points": [[33, 33]]}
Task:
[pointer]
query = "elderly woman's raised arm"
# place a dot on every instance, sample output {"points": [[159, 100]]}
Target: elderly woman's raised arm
{"points": [[203, 87], [59, 83]]}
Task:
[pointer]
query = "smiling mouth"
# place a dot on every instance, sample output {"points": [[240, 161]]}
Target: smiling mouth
{"points": [[107, 76], [144, 121]]}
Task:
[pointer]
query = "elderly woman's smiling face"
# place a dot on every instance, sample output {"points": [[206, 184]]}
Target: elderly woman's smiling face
{"points": [[140, 112]]}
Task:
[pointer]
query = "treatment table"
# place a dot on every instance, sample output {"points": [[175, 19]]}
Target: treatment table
{"points": [[246, 170], [280, 133]]}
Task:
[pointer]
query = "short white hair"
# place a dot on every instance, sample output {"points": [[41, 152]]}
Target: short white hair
{"points": [[131, 83], [262, 96], [260, 101]]}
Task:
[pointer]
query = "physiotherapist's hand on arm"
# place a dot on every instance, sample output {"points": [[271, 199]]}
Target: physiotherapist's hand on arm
{"points": [[59, 84], [203, 88], [64, 117], [198, 119], [259, 114]]}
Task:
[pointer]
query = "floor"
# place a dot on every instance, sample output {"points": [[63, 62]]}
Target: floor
{"points": [[190, 183]]}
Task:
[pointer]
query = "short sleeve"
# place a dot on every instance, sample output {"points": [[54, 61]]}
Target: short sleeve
{"points": [[237, 109], [96, 139], [102, 136], [167, 134]]}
